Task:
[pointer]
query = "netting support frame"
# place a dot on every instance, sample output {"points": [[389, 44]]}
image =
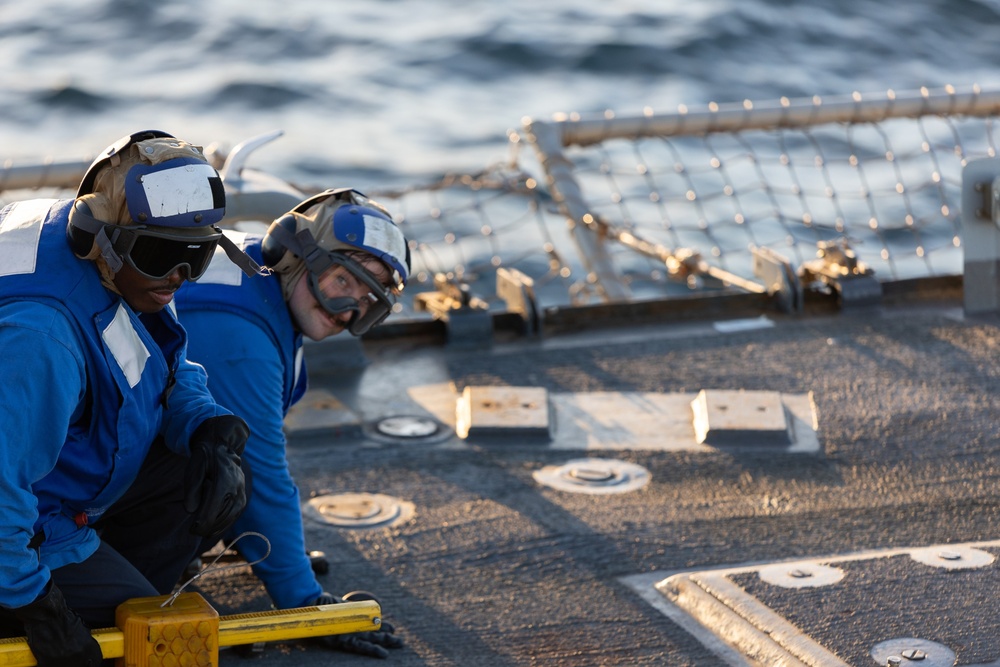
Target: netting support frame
{"points": [[548, 143]]}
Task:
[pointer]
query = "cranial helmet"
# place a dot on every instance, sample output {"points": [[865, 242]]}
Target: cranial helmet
{"points": [[326, 231], [152, 201]]}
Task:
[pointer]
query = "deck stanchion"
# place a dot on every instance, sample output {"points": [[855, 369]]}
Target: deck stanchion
{"points": [[981, 236]]}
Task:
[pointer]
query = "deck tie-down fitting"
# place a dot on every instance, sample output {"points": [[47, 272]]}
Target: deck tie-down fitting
{"points": [[467, 317]]}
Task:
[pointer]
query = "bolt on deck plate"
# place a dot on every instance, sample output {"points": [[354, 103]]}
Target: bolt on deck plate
{"points": [[913, 651], [953, 557], [357, 510], [595, 476], [801, 575]]}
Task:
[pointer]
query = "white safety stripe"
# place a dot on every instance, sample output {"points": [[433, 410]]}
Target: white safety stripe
{"points": [[20, 233], [179, 190], [126, 346], [222, 271]]}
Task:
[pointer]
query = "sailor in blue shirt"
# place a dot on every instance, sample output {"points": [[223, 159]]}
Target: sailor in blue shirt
{"points": [[339, 263], [115, 461]]}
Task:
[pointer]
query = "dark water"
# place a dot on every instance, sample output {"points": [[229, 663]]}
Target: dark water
{"points": [[395, 91]]}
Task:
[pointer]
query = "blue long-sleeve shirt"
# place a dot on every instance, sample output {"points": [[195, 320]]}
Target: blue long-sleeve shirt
{"points": [[258, 374], [83, 393]]}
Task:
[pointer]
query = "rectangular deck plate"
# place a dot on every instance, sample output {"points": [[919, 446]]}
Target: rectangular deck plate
{"points": [[747, 418], [507, 411], [321, 413]]}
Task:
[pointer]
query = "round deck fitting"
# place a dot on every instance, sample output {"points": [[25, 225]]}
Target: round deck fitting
{"points": [[914, 652], [597, 476], [407, 426], [800, 575], [408, 429], [952, 557], [357, 510]]}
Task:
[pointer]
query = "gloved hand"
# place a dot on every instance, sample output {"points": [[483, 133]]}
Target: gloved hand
{"points": [[214, 487], [372, 643], [56, 635]]}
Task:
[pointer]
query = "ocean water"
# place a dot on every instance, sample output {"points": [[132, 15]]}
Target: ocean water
{"points": [[390, 92]]}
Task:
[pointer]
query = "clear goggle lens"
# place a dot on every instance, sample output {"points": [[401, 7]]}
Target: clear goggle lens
{"points": [[346, 286]]}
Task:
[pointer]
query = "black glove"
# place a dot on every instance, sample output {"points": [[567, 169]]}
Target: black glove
{"points": [[214, 487], [56, 635], [372, 644]]}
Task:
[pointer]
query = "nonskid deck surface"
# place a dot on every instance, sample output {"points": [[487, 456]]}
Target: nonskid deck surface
{"points": [[848, 609], [478, 561]]}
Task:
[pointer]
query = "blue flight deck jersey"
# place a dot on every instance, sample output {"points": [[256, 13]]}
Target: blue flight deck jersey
{"points": [[86, 385], [240, 329]]}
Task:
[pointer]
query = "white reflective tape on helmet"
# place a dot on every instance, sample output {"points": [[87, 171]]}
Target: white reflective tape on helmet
{"points": [[179, 190], [384, 236]]}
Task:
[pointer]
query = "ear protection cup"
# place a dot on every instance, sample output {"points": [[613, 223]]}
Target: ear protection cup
{"points": [[273, 252], [84, 222], [79, 240]]}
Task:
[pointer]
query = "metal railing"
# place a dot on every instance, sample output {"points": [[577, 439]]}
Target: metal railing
{"points": [[752, 196]]}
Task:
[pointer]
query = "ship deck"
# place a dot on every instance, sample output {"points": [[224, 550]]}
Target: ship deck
{"points": [[478, 561]]}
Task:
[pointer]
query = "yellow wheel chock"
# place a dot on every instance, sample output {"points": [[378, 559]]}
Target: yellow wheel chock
{"points": [[190, 632]]}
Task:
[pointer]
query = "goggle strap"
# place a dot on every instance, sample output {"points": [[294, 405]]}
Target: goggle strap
{"points": [[303, 245], [241, 259], [316, 258], [113, 259]]}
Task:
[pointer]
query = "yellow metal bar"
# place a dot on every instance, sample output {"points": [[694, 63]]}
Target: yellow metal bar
{"points": [[329, 619], [14, 652], [238, 629]]}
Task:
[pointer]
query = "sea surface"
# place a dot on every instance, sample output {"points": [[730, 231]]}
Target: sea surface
{"points": [[390, 92]]}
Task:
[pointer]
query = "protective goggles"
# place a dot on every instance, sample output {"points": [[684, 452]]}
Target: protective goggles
{"points": [[352, 289], [158, 252]]}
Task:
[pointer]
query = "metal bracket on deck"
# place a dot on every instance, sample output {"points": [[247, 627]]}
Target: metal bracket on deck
{"points": [[989, 204], [981, 236], [838, 268], [466, 316], [779, 278], [518, 291]]}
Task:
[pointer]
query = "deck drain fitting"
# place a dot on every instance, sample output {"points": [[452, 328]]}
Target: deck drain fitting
{"points": [[596, 476], [800, 575], [407, 426], [357, 510], [913, 651], [408, 429], [953, 557]]}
